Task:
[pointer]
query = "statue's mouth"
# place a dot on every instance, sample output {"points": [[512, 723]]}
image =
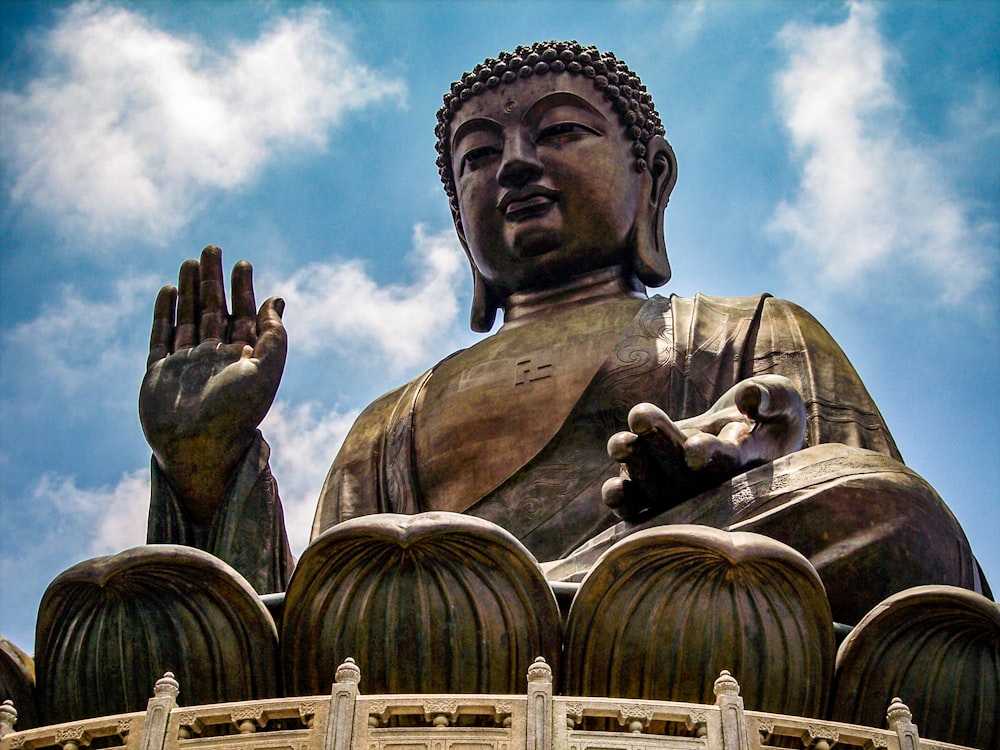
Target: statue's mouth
{"points": [[523, 203]]}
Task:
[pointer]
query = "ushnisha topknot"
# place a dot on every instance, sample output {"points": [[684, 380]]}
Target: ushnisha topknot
{"points": [[621, 87]]}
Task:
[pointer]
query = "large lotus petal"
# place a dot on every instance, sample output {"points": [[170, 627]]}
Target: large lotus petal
{"points": [[937, 648], [666, 609], [108, 628], [435, 603]]}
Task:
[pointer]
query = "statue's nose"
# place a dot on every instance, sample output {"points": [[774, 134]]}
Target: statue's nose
{"points": [[519, 164]]}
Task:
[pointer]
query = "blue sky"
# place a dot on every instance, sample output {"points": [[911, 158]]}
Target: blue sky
{"points": [[840, 155]]}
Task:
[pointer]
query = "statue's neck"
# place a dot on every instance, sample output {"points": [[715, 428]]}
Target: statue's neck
{"points": [[606, 283]]}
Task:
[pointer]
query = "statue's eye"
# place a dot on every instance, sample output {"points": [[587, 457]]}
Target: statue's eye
{"points": [[561, 130], [474, 158]]}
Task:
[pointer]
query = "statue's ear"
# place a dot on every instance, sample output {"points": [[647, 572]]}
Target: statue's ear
{"points": [[484, 304], [650, 261]]}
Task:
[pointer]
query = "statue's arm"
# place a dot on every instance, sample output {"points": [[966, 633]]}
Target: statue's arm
{"points": [[211, 377], [248, 531]]}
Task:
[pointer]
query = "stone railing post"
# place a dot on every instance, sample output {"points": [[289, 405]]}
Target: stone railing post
{"points": [[8, 718], [343, 702], [539, 708], [734, 723], [901, 722], [164, 700]]}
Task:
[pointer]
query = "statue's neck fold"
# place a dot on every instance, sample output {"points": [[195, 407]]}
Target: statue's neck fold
{"points": [[606, 283]]}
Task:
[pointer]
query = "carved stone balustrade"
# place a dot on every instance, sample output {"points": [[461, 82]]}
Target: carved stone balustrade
{"points": [[536, 720]]}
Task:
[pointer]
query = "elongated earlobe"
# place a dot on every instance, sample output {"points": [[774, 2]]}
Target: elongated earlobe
{"points": [[650, 262], [484, 305], [484, 301]]}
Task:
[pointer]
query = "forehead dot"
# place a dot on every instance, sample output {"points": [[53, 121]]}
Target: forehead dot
{"points": [[510, 106]]}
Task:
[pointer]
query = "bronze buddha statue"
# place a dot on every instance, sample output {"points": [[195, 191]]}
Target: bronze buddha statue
{"points": [[558, 173], [598, 430]]}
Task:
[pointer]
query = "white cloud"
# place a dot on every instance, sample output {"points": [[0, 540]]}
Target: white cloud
{"points": [[338, 306], [81, 344], [112, 518], [303, 442], [131, 126], [870, 203], [107, 519], [685, 23]]}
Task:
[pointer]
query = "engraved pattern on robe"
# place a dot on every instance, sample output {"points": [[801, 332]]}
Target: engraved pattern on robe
{"points": [[679, 353]]}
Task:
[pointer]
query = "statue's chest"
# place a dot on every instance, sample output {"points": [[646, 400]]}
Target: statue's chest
{"points": [[487, 411]]}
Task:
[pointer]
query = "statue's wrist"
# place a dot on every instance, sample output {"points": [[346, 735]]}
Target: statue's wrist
{"points": [[199, 476]]}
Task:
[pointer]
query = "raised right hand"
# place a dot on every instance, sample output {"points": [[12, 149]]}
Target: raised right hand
{"points": [[210, 378]]}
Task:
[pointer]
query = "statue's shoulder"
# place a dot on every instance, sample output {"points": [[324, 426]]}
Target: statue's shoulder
{"points": [[758, 305], [372, 421]]}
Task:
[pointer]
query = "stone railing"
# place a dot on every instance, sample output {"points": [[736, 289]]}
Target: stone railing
{"points": [[537, 720]]}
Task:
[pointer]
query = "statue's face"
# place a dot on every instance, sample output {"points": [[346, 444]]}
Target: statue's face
{"points": [[545, 179]]}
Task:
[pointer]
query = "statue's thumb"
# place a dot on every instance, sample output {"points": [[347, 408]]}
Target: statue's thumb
{"points": [[270, 330], [270, 314]]}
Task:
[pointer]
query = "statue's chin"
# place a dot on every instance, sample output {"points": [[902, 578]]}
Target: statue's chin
{"points": [[533, 242]]}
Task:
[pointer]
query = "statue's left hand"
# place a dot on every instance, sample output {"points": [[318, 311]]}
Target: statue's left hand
{"points": [[664, 462]]}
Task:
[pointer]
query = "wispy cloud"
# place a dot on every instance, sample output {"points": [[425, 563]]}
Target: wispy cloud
{"points": [[685, 23], [131, 126], [338, 306], [111, 518], [81, 344], [871, 203]]}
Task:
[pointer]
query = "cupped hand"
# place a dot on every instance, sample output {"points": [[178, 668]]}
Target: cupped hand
{"points": [[664, 463], [210, 378]]}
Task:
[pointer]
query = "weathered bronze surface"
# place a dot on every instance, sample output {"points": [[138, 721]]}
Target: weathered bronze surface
{"points": [[592, 414], [108, 626], [17, 683], [939, 648], [665, 610], [434, 603]]}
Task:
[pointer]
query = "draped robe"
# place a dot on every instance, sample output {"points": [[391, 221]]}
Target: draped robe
{"points": [[847, 501]]}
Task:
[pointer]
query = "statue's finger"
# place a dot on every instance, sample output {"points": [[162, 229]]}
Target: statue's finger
{"points": [[784, 401], [214, 313], [773, 398], [244, 330], [644, 418], [614, 495], [752, 399], [699, 450], [621, 446], [188, 306], [272, 341], [161, 335], [722, 451]]}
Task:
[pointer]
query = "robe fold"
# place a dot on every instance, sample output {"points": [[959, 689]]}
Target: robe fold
{"points": [[248, 530], [683, 354], [846, 501]]}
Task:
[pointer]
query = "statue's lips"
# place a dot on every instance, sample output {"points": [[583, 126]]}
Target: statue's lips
{"points": [[523, 204]]}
